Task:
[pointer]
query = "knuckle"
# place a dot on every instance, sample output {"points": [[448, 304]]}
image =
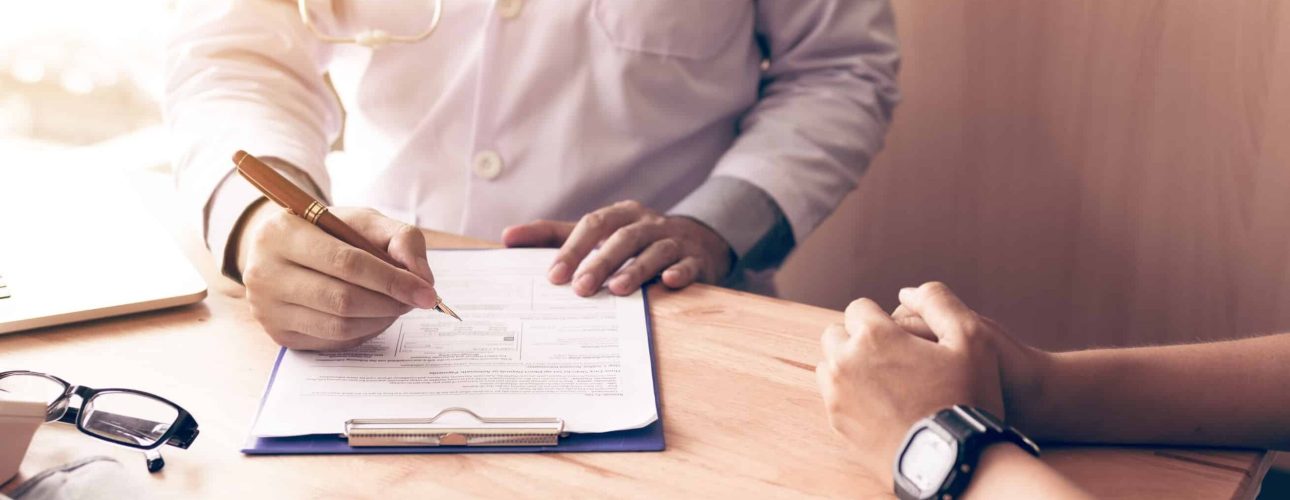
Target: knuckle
{"points": [[252, 276], [876, 322], [260, 236], [934, 287], [973, 331], [407, 231], [279, 219], [866, 332], [634, 234], [394, 286], [860, 306], [669, 247], [345, 260], [629, 204], [342, 301], [269, 231], [593, 221]]}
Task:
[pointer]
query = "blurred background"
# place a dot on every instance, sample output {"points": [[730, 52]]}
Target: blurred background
{"points": [[82, 72]]}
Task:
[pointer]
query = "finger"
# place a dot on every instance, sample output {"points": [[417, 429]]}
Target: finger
{"points": [[833, 341], [648, 264], [310, 247], [912, 323], [589, 232], [408, 247], [306, 321], [542, 233], [947, 316], [406, 244], [865, 317], [915, 326], [623, 244], [683, 273], [306, 287]]}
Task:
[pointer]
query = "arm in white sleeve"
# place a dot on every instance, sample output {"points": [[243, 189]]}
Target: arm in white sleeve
{"points": [[826, 101], [244, 74]]}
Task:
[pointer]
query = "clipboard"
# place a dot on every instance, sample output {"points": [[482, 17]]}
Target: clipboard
{"points": [[485, 434]]}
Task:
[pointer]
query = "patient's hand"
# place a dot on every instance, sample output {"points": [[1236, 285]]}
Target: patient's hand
{"points": [[681, 249], [312, 291], [1022, 369], [878, 378]]}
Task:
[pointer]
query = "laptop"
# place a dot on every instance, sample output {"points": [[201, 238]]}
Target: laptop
{"points": [[77, 244]]}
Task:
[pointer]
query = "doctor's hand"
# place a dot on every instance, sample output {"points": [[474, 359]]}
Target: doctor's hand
{"points": [[878, 378], [312, 291], [682, 249]]}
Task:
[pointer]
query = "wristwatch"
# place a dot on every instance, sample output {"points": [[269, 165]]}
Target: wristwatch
{"points": [[941, 452]]}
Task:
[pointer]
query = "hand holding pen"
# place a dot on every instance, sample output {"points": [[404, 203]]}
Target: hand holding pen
{"points": [[324, 279]]}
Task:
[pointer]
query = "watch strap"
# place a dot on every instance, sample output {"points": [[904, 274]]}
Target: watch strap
{"points": [[996, 426]]}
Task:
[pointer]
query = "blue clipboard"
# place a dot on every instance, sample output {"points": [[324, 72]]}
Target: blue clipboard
{"points": [[648, 438]]}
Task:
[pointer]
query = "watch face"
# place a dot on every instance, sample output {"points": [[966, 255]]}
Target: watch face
{"points": [[928, 459]]}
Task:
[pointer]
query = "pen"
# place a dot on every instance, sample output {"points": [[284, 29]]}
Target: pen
{"points": [[286, 194]]}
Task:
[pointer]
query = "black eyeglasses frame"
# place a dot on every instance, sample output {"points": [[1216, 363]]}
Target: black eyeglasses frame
{"points": [[182, 432]]}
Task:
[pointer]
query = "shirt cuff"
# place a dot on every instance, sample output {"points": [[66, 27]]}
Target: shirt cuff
{"points": [[750, 221], [229, 207]]}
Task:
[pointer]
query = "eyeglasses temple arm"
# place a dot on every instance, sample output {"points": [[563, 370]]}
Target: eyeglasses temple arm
{"points": [[185, 433]]}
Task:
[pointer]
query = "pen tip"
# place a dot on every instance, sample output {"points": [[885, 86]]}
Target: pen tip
{"points": [[443, 308]]}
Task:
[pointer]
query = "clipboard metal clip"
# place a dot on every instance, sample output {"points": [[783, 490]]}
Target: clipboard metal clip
{"points": [[453, 427]]}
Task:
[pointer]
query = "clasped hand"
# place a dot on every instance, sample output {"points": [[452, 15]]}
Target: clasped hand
{"points": [[882, 373]]}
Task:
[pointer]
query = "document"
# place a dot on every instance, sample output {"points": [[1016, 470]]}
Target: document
{"points": [[526, 348]]}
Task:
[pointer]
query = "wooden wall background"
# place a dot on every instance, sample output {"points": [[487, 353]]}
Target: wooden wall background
{"points": [[1089, 172]]}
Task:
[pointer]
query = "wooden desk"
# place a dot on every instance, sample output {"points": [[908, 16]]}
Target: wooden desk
{"points": [[740, 406]]}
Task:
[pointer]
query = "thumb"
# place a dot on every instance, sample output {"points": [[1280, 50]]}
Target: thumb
{"points": [[408, 246], [403, 242], [937, 305]]}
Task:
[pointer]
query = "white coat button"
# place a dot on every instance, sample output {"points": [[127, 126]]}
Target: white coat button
{"points": [[488, 164], [509, 9]]}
